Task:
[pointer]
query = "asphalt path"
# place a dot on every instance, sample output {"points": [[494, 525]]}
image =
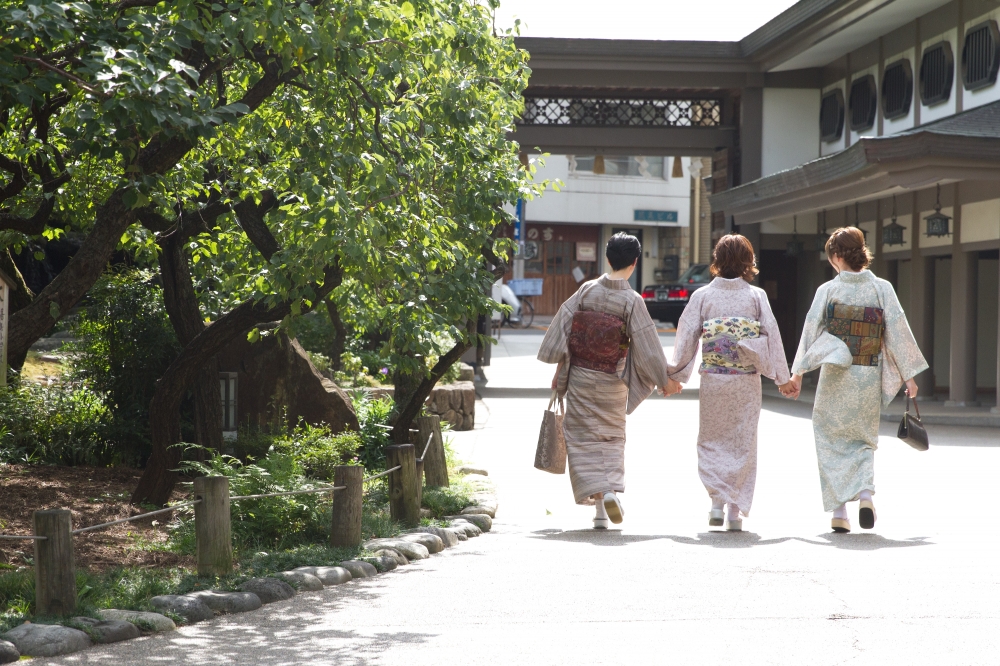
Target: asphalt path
{"points": [[543, 588]]}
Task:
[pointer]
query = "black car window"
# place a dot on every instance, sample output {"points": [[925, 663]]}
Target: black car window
{"points": [[697, 274]]}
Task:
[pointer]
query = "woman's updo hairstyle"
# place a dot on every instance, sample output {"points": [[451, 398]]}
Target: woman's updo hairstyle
{"points": [[733, 258], [848, 243]]}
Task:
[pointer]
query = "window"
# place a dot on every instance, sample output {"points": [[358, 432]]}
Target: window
{"points": [[622, 165], [831, 116], [937, 72], [227, 387], [696, 274], [981, 56], [864, 101], [897, 89]]}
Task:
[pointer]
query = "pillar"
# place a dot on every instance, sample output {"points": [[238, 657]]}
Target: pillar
{"points": [[964, 293], [996, 408], [922, 306]]}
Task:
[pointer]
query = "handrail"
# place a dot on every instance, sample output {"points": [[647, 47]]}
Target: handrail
{"points": [[137, 517], [427, 448], [327, 489]]}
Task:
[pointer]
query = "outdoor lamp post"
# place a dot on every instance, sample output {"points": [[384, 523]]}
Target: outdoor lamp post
{"points": [[938, 222], [892, 234]]}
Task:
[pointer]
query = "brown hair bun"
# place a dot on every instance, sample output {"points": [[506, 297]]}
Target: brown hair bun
{"points": [[848, 243], [733, 258]]}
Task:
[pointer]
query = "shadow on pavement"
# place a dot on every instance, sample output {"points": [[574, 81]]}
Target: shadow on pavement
{"points": [[721, 539]]}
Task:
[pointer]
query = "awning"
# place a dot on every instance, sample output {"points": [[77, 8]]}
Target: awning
{"points": [[965, 146]]}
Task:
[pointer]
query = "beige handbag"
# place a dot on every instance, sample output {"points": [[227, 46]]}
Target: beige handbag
{"points": [[550, 456]]}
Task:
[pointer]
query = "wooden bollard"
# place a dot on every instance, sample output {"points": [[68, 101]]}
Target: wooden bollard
{"points": [[346, 528], [55, 569], [435, 465], [404, 506], [212, 526]]}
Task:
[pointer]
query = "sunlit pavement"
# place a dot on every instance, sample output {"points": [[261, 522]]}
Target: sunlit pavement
{"points": [[542, 588]]}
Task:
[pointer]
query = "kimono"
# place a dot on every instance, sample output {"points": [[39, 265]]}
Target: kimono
{"points": [[597, 400], [740, 342], [857, 334]]}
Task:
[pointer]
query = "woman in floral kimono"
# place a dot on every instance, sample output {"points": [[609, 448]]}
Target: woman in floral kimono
{"points": [[740, 342], [610, 359], [857, 334]]}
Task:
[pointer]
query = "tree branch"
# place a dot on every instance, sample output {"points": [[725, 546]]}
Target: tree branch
{"points": [[61, 72], [250, 217]]}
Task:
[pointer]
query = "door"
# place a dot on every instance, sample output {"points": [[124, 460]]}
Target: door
{"points": [[779, 278], [636, 279]]}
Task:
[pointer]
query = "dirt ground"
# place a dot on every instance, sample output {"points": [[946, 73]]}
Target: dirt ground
{"points": [[94, 495]]}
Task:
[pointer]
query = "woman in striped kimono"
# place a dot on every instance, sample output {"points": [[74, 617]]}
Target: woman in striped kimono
{"points": [[740, 342], [857, 334], [610, 359]]}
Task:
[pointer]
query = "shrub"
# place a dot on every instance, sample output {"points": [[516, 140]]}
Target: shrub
{"points": [[125, 344], [62, 424], [446, 501], [318, 451], [372, 415]]}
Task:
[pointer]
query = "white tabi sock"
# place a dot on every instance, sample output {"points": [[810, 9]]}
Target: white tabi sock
{"points": [[865, 495], [840, 512], [602, 513], [734, 512]]}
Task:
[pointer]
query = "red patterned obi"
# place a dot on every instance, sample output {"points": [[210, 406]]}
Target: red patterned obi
{"points": [[597, 341]]}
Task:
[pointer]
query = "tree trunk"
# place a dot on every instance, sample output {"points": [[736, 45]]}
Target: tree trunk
{"points": [[339, 345], [185, 315], [159, 477], [21, 296]]}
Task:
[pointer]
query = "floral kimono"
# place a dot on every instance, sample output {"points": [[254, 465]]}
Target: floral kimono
{"points": [[857, 334], [610, 360], [740, 342]]}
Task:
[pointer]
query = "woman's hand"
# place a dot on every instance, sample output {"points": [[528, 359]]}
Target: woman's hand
{"points": [[792, 387], [911, 388], [671, 388], [555, 380]]}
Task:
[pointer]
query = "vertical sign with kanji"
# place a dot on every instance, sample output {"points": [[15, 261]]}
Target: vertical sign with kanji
{"points": [[6, 284]]}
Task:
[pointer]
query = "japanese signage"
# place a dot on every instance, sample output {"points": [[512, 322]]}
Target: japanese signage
{"points": [[654, 216], [586, 252]]}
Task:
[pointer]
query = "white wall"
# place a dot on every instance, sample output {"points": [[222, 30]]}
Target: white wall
{"points": [[981, 221], [602, 199], [790, 133]]}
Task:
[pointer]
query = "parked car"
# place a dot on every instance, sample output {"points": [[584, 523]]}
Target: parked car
{"points": [[666, 302]]}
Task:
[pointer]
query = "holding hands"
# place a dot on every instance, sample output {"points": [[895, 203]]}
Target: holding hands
{"points": [[671, 388], [792, 387]]}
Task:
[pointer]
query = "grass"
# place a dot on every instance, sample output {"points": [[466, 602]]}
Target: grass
{"points": [[37, 370]]}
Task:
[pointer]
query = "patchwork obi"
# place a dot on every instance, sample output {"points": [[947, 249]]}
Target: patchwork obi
{"points": [[597, 341], [720, 339], [860, 328]]}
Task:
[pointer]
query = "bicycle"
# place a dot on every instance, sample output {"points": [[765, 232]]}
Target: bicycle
{"points": [[525, 321]]}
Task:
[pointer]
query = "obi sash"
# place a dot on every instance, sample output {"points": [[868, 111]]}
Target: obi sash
{"points": [[597, 341], [860, 328], [720, 339]]}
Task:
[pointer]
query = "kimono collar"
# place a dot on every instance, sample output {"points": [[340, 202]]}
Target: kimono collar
{"points": [[729, 283], [610, 283], [855, 278]]}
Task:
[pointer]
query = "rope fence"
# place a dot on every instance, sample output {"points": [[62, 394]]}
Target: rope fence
{"points": [[23, 536], [131, 518], [381, 474], [327, 489]]}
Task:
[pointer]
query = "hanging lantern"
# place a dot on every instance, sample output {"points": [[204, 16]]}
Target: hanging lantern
{"points": [[795, 246], [599, 164], [938, 222], [892, 233], [678, 170], [822, 237]]}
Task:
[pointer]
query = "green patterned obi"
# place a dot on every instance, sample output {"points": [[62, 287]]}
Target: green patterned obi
{"points": [[860, 328], [720, 339]]}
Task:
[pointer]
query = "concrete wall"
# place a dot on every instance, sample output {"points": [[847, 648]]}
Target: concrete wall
{"points": [[790, 128]]}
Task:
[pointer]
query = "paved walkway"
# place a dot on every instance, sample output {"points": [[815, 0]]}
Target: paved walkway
{"points": [[542, 588]]}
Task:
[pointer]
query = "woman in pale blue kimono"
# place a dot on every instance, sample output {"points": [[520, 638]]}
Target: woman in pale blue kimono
{"points": [[857, 334]]}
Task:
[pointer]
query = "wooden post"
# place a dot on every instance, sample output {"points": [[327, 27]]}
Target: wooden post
{"points": [[55, 570], [346, 527], [403, 485], [435, 465], [6, 286], [212, 527]]}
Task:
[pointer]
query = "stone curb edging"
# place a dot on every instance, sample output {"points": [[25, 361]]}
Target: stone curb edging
{"points": [[50, 640]]}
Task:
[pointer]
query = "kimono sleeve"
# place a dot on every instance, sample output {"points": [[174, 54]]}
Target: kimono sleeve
{"points": [[812, 330], [648, 360], [899, 342], [686, 341], [775, 350], [555, 344]]}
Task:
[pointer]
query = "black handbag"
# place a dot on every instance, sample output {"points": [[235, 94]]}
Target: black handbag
{"points": [[911, 429]]}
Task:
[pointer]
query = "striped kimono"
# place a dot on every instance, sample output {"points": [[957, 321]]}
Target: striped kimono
{"points": [[596, 401]]}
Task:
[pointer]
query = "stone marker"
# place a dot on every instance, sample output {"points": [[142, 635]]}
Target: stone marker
{"points": [[189, 608], [328, 575], [107, 631], [228, 602], [46, 640], [269, 590], [145, 621], [412, 551], [480, 520], [360, 569], [8, 652], [466, 469], [431, 542], [448, 538], [486, 510], [305, 582], [393, 553]]}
